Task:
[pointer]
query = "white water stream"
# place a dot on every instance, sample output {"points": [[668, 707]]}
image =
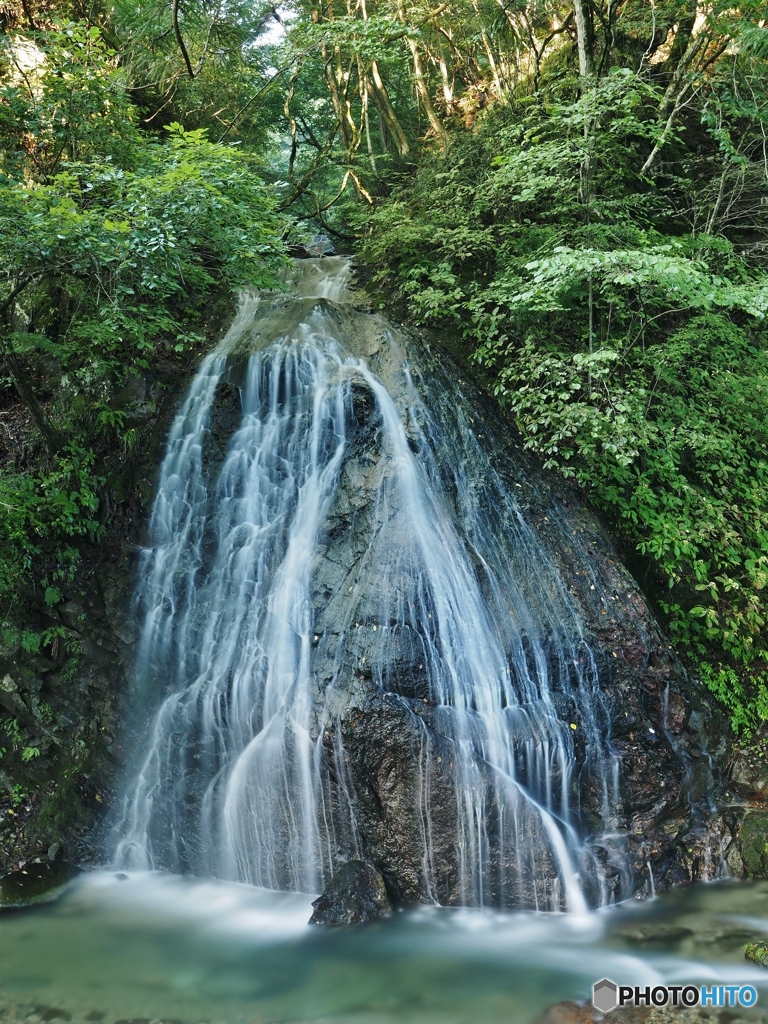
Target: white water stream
{"points": [[234, 780]]}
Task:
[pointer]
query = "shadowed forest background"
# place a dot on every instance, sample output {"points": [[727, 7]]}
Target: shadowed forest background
{"points": [[573, 196]]}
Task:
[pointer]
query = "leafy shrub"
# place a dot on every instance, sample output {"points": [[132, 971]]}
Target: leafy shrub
{"points": [[631, 353]]}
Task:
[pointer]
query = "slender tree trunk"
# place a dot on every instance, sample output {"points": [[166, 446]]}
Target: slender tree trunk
{"points": [[384, 137], [54, 439], [364, 89], [445, 77], [488, 51], [586, 73], [423, 93], [337, 100], [583, 42], [422, 90], [680, 86], [387, 116], [386, 110]]}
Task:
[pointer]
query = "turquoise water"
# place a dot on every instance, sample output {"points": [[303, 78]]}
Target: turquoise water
{"points": [[156, 946]]}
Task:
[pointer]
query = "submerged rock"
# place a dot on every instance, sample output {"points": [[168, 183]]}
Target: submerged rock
{"points": [[36, 883], [356, 893]]}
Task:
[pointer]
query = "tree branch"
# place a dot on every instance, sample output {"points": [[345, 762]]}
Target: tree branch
{"points": [[179, 40], [263, 89]]}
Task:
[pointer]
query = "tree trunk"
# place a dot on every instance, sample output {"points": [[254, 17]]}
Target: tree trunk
{"points": [[378, 91], [583, 42], [365, 89], [386, 110], [677, 91], [54, 439], [422, 90]]}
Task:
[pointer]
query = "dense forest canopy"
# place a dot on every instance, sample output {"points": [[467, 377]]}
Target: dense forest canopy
{"points": [[574, 193]]}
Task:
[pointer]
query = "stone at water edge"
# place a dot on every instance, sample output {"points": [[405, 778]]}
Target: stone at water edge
{"points": [[748, 854], [583, 1013], [356, 893], [35, 883]]}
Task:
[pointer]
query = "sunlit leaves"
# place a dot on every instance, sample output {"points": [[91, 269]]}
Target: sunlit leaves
{"points": [[62, 99], [191, 216]]}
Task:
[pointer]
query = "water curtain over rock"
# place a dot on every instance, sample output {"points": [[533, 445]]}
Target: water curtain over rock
{"points": [[368, 633]]}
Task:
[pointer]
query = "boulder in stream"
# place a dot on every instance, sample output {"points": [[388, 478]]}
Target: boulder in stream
{"points": [[356, 893]]}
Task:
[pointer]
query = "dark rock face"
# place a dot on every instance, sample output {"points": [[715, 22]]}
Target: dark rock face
{"points": [[356, 893], [666, 733], [384, 740], [747, 852]]}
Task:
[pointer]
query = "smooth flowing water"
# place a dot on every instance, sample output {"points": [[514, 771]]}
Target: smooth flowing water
{"points": [[159, 947], [243, 772]]}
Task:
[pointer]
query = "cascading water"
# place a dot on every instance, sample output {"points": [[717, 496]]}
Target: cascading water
{"points": [[332, 547]]}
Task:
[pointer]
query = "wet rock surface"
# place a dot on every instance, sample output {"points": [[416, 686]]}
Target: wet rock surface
{"points": [[667, 734], [355, 894]]}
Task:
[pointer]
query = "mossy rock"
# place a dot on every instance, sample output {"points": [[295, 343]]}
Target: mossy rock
{"points": [[753, 844], [34, 884], [64, 811]]}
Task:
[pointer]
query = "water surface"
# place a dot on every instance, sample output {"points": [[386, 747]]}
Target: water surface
{"points": [[162, 947]]}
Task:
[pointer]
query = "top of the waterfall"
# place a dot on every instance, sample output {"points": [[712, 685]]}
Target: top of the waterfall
{"points": [[323, 278]]}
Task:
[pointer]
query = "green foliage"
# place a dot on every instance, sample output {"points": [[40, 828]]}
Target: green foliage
{"points": [[757, 952], [111, 243], [135, 250], [45, 512], [63, 100], [368, 38], [632, 353], [231, 66], [672, 439], [18, 795]]}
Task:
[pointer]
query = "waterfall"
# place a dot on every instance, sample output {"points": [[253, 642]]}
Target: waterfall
{"points": [[333, 546]]}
